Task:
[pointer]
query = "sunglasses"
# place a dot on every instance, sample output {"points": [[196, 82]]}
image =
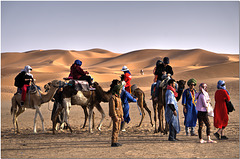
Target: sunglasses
{"points": [[192, 84]]}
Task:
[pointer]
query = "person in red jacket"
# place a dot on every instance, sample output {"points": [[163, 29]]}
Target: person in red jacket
{"points": [[127, 78], [220, 110], [78, 73]]}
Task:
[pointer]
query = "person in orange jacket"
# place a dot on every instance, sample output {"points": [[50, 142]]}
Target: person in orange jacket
{"points": [[127, 78]]}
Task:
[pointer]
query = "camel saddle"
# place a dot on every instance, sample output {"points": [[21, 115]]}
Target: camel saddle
{"points": [[79, 85], [30, 89]]}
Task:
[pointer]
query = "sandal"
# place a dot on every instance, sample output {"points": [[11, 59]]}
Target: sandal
{"points": [[211, 141]]}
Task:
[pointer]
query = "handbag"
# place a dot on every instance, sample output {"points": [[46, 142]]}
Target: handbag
{"points": [[230, 106], [210, 110]]}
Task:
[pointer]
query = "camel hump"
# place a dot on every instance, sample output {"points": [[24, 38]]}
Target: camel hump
{"points": [[133, 87]]}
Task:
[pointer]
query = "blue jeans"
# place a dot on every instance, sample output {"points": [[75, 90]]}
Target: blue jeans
{"points": [[152, 87], [157, 88]]}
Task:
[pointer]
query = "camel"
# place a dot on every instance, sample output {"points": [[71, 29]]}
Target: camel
{"points": [[159, 105], [87, 99], [141, 103], [34, 100]]}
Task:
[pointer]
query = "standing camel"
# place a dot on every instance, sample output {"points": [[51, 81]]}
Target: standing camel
{"points": [[87, 99], [34, 100], [159, 105], [141, 103]]}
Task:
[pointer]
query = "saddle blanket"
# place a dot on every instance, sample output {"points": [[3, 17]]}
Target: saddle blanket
{"points": [[80, 85]]}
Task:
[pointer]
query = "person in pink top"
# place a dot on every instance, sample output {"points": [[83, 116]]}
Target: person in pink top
{"points": [[203, 101]]}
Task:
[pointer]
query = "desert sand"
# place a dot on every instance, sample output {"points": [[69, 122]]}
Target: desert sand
{"points": [[104, 66]]}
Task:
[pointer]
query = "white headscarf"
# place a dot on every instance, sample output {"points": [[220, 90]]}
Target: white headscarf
{"points": [[28, 69]]}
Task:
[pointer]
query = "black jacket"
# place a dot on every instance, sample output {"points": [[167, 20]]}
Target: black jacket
{"points": [[161, 69]]}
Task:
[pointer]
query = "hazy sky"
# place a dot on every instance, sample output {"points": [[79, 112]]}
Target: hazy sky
{"points": [[121, 26]]}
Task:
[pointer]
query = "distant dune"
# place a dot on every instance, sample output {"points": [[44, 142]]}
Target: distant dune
{"points": [[104, 65]]}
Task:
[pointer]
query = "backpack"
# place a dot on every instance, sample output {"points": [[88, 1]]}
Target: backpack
{"points": [[19, 80]]}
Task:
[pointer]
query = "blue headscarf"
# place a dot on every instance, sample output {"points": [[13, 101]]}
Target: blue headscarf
{"points": [[221, 85], [78, 62]]}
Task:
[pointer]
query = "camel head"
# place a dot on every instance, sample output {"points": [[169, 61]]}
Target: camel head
{"points": [[54, 83], [181, 84]]}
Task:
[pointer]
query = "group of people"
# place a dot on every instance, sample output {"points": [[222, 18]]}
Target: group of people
{"points": [[195, 104]]}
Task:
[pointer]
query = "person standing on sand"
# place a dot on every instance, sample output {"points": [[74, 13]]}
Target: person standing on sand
{"points": [[220, 110], [189, 107], [127, 78], [171, 111], [203, 101], [126, 97], [116, 113]]}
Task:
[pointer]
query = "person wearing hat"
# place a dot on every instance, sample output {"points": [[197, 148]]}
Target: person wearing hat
{"points": [[127, 78], [171, 110], [189, 107], [27, 77], [220, 110], [116, 113], [165, 70], [76, 72], [203, 102]]}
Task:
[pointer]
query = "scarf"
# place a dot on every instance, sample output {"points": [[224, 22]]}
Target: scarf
{"points": [[28, 69], [127, 72], [173, 90], [219, 86]]}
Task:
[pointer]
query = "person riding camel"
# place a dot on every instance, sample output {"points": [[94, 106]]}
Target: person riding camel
{"points": [[163, 71], [127, 78], [77, 73], [26, 78]]}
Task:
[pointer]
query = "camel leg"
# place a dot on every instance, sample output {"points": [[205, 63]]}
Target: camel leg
{"points": [[149, 112], [67, 105], [160, 117], [34, 125], [55, 116], [99, 108], [143, 115], [20, 111], [90, 119], [86, 116], [155, 115], [41, 117]]}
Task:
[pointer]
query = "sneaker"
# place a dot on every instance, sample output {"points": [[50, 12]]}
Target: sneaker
{"points": [[224, 137], [211, 141], [202, 141], [217, 135]]}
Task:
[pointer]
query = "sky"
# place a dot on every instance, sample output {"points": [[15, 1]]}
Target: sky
{"points": [[120, 26]]}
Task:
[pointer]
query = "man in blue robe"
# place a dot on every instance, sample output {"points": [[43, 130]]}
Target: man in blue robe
{"points": [[171, 110], [189, 107], [126, 97]]}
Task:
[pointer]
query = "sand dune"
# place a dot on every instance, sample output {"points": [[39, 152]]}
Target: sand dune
{"points": [[104, 65]]}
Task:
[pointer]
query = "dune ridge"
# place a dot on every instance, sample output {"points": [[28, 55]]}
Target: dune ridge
{"points": [[105, 65]]}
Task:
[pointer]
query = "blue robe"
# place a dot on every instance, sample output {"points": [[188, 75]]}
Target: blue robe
{"points": [[125, 97], [191, 115], [170, 118]]}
